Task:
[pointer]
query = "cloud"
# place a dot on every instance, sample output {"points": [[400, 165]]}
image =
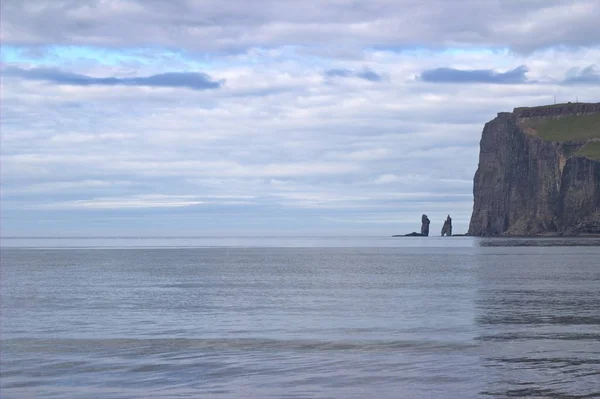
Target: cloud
{"points": [[365, 74], [362, 155], [66, 186], [234, 26], [387, 178], [587, 75], [133, 202], [189, 80], [451, 75], [342, 73], [297, 159]]}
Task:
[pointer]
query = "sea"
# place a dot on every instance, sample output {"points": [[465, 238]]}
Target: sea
{"points": [[300, 317]]}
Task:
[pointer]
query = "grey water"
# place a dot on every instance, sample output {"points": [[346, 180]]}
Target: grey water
{"points": [[300, 317]]}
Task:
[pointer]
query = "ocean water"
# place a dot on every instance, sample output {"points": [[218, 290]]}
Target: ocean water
{"points": [[325, 317]]}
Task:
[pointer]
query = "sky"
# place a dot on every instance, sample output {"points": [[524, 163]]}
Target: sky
{"points": [[268, 117]]}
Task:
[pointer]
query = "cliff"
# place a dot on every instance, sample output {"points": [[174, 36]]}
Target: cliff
{"points": [[539, 172]]}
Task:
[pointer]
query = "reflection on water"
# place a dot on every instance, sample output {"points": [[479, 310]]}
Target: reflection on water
{"points": [[539, 326], [538, 241], [414, 321]]}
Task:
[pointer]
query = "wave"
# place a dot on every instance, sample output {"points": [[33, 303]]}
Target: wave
{"points": [[160, 345]]}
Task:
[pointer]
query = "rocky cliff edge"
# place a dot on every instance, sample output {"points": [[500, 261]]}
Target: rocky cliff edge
{"points": [[539, 172]]}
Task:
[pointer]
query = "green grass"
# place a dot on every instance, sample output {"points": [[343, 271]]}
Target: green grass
{"points": [[572, 127], [590, 150], [561, 105]]}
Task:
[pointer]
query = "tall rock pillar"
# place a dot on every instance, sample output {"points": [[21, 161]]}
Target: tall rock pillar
{"points": [[447, 229], [425, 225]]}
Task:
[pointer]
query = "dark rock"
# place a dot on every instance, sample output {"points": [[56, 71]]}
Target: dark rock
{"points": [[526, 185], [557, 111], [425, 225], [424, 229], [447, 228], [414, 234]]}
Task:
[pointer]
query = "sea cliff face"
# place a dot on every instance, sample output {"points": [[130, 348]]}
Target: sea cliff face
{"points": [[528, 185]]}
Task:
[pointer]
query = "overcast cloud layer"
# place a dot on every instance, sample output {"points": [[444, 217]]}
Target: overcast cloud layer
{"points": [[279, 117]]}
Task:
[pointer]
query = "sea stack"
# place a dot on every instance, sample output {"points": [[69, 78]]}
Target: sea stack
{"points": [[447, 228], [425, 225]]}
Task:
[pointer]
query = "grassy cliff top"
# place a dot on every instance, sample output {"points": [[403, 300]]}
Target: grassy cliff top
{"points": [[555, 106], [590, 150], [566, 128], [579, 122]]}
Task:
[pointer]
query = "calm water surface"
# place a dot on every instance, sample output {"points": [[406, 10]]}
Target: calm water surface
{"points": [[300, 318]]}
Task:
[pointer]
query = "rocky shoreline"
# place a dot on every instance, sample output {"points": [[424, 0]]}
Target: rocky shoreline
{"points": [[425, 222]]}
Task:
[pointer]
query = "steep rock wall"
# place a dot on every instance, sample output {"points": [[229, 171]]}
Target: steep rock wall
{"points": [[579, 199], [525, 185]]}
